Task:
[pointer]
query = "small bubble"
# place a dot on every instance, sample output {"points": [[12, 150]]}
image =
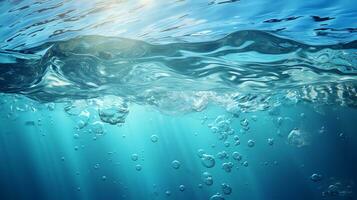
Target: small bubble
{"points": [[134, 157], [168, 192], [251, 143], [316, 177], [222, 155], [244, 122], [245, 164], [333, 190], [182, 188], [236, 137], [236, 156], [279, 120], [322, 130], [104, 178], [175, 164], [208, 181], [200, 153], [271, 141], [154, 138], [138, 167], [96, 166], [342, 136]]}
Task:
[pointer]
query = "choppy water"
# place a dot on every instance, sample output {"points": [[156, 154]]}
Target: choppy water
{"points": [[150, 99]]}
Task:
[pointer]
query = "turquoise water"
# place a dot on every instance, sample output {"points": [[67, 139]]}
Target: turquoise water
{"points": [[150, 99]]}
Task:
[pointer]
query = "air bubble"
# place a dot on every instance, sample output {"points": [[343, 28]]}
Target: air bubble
{"points": [[182, 188], [226, 189], [134, 157], [222, 155], [138, 167], [200, 153], [297, 138], [176, 164], [208, 161], [245, 164], [227, 167], [236, 156], [207, 178], [217, 197], [154, 138], [251, 143], [244, 122], [316, 177]]}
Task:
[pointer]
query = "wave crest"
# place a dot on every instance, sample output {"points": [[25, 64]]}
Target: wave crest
{"points": [[244, 67]]}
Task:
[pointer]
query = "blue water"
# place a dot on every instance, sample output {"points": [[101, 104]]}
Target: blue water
{"points": [[201, 99]]}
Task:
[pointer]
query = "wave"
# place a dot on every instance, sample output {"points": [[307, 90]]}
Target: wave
{"points": [[244, 67]]}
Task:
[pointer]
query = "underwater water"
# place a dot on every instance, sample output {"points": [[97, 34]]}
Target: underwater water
{"points": [[178, 99]]}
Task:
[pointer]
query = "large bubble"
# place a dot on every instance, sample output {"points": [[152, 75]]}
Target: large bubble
{"points": [[297, 138], [208, 161]]}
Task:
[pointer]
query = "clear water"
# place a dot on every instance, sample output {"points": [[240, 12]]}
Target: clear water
{"points": [[204, 99]]}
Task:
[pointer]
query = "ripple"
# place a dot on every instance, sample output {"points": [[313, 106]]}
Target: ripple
{"points": [[242, 71]]}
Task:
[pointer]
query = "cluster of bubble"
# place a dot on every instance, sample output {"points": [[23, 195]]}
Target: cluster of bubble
{"points": [[92, 115], [339, 189], [207, 178], [113, 110], [222, 127], [135, 157], [226, 190]]}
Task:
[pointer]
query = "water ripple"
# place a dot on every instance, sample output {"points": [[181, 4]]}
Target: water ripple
{"points": [[180, 54], [245, 63], [27, 24]]}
